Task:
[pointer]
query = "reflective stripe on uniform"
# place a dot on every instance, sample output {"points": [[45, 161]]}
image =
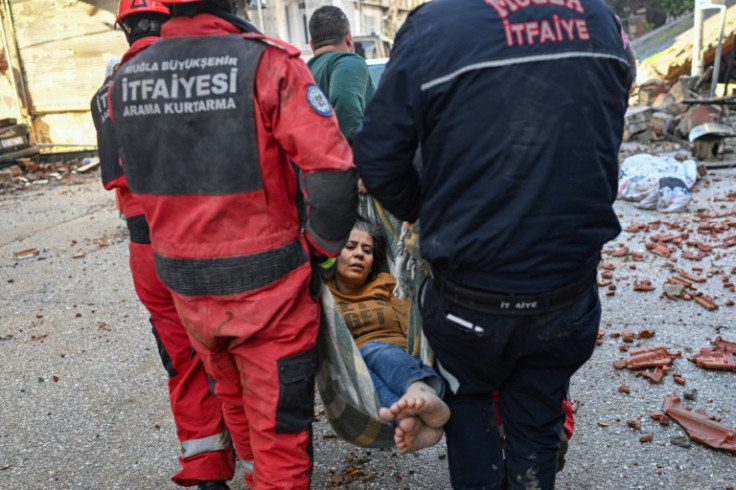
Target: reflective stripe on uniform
{"points": [[217, 442], [452, 382], [514, 61]]}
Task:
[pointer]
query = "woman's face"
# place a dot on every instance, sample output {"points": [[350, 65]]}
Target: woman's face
{"points": [[355, 261]]}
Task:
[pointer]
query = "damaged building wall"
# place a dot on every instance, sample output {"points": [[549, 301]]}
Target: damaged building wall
{"points": [[668, 104], [674, 56], [63, 47]]}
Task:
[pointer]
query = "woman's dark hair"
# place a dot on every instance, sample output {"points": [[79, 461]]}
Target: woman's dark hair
{"points": [[380, 263]]}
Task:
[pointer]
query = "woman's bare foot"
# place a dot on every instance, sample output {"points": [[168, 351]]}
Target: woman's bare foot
{"points": [[412, 434], [420, 400]]}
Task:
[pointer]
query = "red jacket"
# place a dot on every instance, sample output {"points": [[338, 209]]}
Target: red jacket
{"points": [[182, 112]]}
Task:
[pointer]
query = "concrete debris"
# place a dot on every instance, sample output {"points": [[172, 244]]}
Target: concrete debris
{"points": [[680, 441]]}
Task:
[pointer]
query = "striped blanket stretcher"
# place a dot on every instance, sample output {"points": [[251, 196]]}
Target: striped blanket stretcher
{"points": [[343, 381]]}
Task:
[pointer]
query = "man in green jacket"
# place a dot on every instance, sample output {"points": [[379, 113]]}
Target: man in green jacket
{"points": [[340, 73]]}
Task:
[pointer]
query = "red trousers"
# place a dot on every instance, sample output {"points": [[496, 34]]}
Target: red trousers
{"points": [[207, 453], [260, 347]]}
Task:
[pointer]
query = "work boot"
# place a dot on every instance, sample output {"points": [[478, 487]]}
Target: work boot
{"points": [[213, 485]]}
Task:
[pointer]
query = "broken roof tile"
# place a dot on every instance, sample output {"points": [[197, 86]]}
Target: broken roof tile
{"points": [[620, 363], [663, 237], [705, 301], [680, 280], [651, 357], [691, 277], [703, 247], [654, 376], [724, 345], [699, 426], [647, 437], [714, 359], [658, 248], [644, 285], [691, 256], [635, 227]]}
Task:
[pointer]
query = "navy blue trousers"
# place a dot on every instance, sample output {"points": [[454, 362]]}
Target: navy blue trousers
{"points": [[529, 360]]}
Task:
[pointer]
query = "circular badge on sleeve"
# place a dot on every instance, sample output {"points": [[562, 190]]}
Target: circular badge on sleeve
{"points": [[318, 101]]}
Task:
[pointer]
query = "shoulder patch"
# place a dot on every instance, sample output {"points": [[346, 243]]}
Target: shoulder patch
{"points": [[318, 101]]}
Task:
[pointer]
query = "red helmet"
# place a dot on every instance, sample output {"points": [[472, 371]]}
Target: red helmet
{"points": [[129, 7]]}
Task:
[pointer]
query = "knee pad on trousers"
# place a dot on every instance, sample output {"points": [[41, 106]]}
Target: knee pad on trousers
{"points": [[165, 358], [295, 409]]}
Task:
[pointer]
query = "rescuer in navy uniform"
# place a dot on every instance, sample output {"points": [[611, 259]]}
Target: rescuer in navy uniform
{"points": [[207, 456], [209, 119], [519, 117]]}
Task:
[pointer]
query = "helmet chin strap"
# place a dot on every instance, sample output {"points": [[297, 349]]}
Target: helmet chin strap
{"points": [[144, 28]]}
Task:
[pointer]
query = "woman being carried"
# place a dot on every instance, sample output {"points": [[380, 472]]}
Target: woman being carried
{"points": [[410, 392]]}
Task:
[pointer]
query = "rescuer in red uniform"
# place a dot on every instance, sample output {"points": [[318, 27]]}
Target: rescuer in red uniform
{"points": [[209, 120], [207, 456]]}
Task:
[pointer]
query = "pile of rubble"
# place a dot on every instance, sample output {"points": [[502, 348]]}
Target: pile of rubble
{"points": [[27, 172], [679, 113]]}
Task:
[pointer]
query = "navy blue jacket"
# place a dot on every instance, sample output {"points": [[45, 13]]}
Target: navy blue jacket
{"points": [[518, 108]]}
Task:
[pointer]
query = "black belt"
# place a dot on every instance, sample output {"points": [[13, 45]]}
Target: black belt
{"points": [[513, 304]]}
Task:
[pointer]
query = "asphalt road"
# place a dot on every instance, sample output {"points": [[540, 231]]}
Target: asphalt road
{"points": [[83, 400]]}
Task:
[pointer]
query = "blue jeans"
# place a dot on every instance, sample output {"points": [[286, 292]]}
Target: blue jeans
{"points": [[529, 360], [393, 370]]}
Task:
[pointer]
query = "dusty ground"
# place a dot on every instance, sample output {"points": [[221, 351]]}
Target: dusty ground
{"points": [[84, 395]]}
